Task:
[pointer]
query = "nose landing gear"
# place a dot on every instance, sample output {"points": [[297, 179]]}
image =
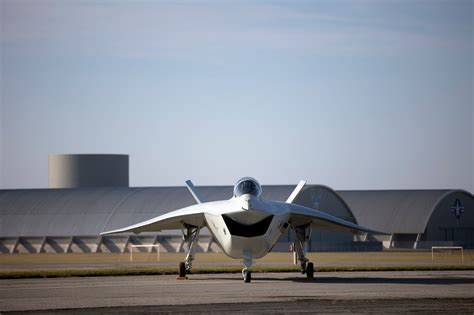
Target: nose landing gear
{"points": [[246, 273]]}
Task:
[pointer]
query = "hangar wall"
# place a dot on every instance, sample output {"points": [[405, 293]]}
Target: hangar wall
{"points": [[452, 220], [414, 218]]}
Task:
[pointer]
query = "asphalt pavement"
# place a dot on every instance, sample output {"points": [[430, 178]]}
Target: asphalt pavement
{"points": [[414, 291]]}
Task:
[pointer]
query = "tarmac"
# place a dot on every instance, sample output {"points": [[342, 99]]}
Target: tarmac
{"points": [[276, 293]]}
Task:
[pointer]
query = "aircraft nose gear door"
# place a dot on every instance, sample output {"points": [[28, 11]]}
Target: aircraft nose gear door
{"points": [[303, 234], [191, 237]]}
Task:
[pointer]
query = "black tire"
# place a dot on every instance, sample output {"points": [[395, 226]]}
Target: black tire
{"points": [[182, 270], [310, 270], [247, 276]]}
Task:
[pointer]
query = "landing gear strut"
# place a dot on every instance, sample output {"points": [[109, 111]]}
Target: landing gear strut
{"points": [[246, 273], [191, 237], [303, 233]]}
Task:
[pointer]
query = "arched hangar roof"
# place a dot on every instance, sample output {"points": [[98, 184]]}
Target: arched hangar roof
{"points": [[396, 211]]}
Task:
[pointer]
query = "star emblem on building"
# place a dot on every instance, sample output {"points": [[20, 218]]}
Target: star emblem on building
{"points": [[317, 199], [458, 210]]}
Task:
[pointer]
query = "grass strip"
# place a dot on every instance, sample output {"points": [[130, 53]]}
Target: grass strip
{"points": [[65, 273]]}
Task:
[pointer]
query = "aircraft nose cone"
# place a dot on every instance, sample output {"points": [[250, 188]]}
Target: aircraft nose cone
{"points": [[252, 203], [246, 202]]}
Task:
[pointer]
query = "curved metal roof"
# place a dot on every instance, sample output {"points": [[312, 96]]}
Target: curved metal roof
{"points": [[395, 211]]}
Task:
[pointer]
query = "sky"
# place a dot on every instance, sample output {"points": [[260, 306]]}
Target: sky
{"points": [[350, 94]]}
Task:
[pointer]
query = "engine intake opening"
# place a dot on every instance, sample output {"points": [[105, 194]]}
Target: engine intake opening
{"points": [[251, 230]]}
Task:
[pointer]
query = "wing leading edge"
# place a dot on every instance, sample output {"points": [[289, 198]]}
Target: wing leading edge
{"points": [[300, 215], [193, 215]]}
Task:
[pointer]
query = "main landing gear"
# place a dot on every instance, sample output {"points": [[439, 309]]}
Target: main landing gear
{"points": [[182, 270], [303, 233], [191, 237]]}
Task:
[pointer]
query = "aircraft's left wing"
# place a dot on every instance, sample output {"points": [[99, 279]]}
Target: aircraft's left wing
{"points": [[300, 215], [193, 215]]}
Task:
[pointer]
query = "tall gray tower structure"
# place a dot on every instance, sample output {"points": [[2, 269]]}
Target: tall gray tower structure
{"points": [[88, 170]]}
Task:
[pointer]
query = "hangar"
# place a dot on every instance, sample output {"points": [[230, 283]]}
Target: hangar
{"points": [[70, 219]]}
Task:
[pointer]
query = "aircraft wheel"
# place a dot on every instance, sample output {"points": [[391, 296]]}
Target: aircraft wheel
{"points": [[310, 270], [182, 270], [247, 276]]}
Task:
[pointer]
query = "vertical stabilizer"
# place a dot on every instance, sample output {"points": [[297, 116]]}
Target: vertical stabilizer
{"points": [[193, 191], [296, 191]]}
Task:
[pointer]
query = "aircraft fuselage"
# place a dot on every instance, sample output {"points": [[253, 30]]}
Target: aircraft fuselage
{"points": [[250, 229]]}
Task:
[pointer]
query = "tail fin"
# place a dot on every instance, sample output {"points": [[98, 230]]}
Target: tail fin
{"points": [[296, 191], [193, 191]]}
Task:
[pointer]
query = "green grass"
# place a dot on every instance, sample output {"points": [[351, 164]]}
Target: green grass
{"points": [[321, 259], [106, 264]]}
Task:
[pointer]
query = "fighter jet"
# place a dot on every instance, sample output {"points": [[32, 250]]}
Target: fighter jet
{"points": [[245, 226]]}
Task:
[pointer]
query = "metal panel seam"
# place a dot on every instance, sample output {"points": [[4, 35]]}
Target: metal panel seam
{"points": [[118, 205]]}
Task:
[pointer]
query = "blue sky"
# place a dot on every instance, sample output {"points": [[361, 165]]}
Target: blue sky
{"points": [[351, 94]]}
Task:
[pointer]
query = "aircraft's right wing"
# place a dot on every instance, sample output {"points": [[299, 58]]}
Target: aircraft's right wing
{"points": [[300, 215], [193, 215]]}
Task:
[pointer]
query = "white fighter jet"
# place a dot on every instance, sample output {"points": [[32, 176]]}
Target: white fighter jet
{"points": [[245, 226]]}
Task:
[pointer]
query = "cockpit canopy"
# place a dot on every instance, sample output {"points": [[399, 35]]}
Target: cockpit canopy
{"points": [[247, 185]]}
